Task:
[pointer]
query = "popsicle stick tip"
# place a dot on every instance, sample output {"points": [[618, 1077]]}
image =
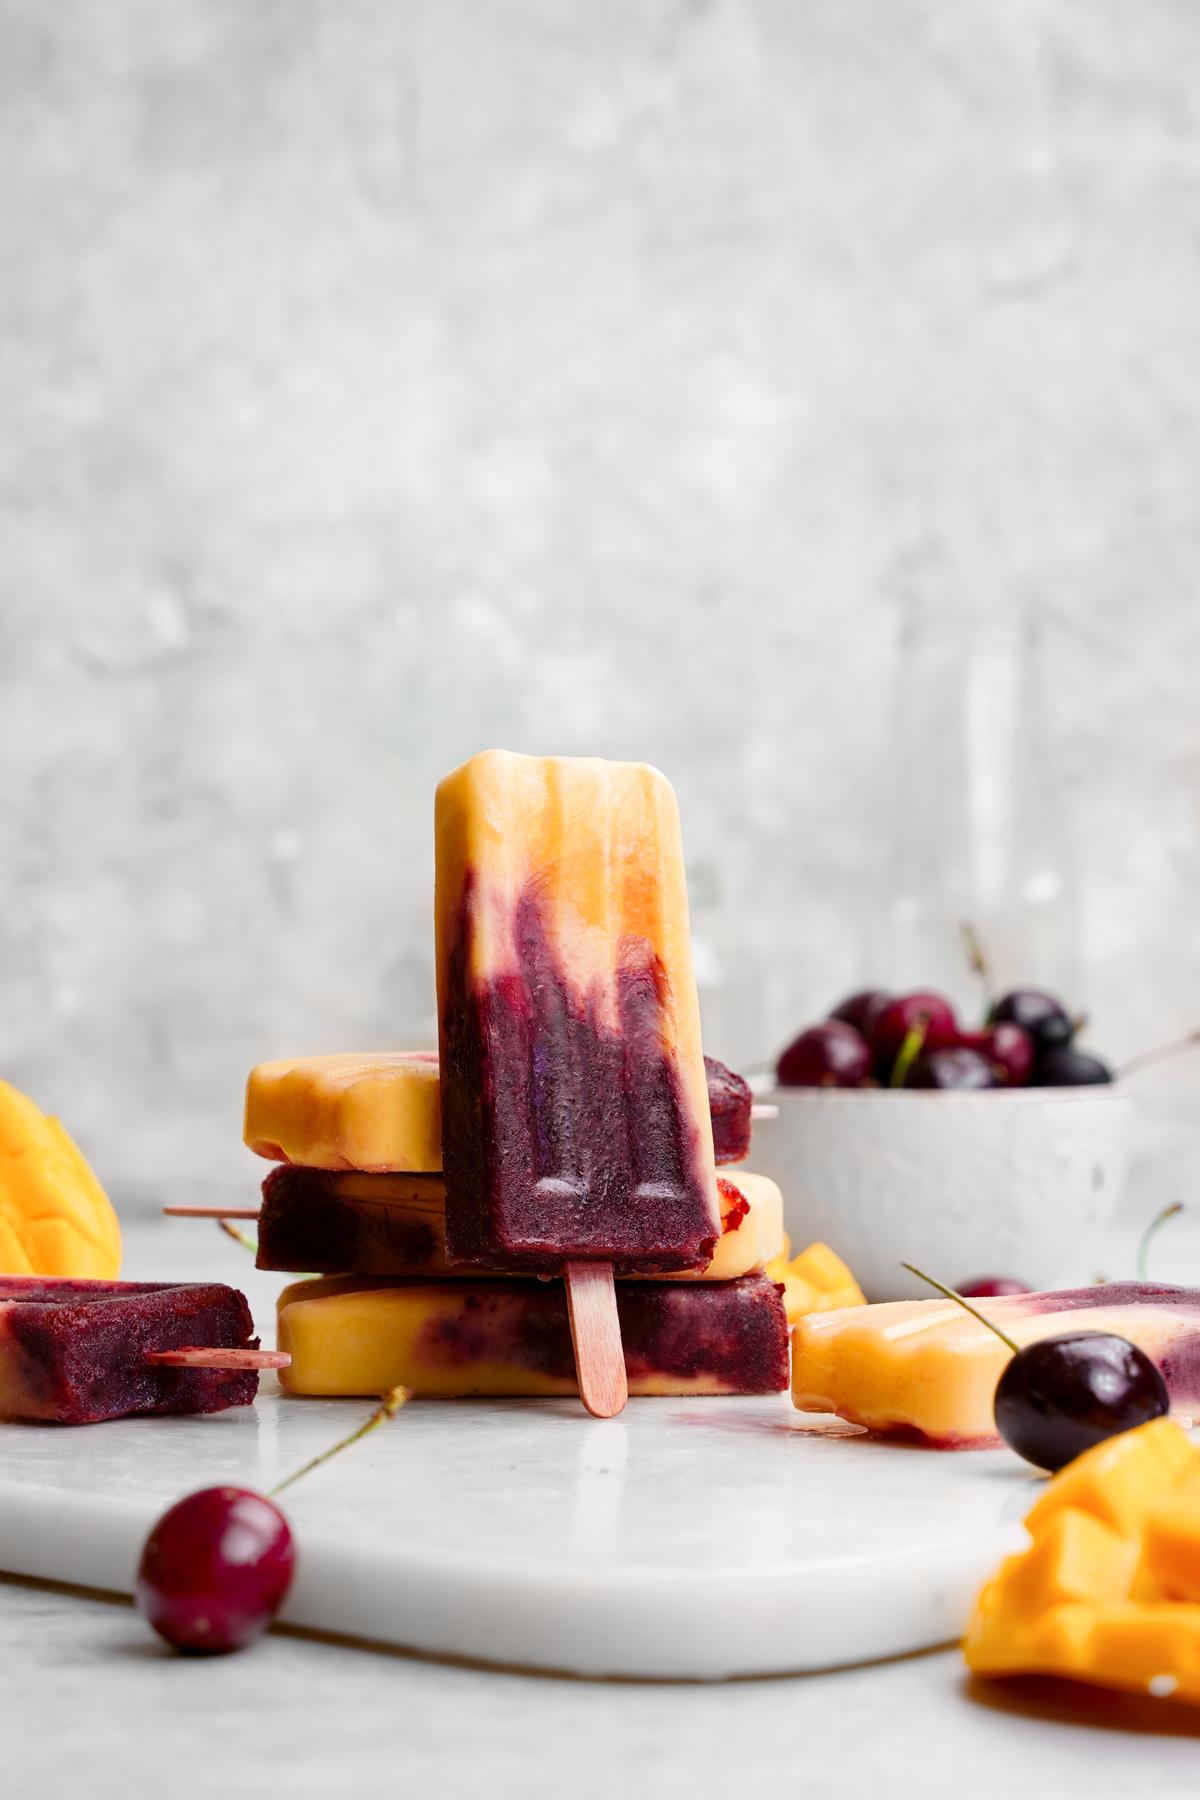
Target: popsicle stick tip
{"points": [[210, 1212], [596, 1336], [191, 1356], [764, 1109]]}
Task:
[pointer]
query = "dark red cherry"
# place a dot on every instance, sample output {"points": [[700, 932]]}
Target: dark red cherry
{"points": [[991, 1287], [1065, 1066], [1060, 1395], [861, 1010], [1045, 1019], [956, 1070], [828, 1055], [1008, 1047], [895, 1020], [215, 1570]]}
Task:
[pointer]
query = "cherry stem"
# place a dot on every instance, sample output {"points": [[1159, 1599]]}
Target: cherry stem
{"points": [[388, 1407], [910, 1049], [1160, 1053], [953, 1294], [977, 962], [1151, 1231], [239, 1237]]}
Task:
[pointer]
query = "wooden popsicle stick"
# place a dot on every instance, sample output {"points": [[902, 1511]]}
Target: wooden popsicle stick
{"points": [[596, 1335], [210, 1212], [764, 1109], [191, 1357]]}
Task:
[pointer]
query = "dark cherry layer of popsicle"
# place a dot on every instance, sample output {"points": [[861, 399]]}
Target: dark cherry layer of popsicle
{"points": [[315, 1220], [73, 1352], [731, 1336], [561, 1136]]}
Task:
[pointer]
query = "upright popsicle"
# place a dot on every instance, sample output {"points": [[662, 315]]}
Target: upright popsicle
{"points": [[575, 1120]]}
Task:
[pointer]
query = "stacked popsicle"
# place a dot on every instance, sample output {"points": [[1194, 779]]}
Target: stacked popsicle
{"points": [[465, 1216], [387, 1306]]}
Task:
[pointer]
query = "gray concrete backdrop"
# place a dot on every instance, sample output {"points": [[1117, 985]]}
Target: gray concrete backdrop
{"points": [[380, 379]]}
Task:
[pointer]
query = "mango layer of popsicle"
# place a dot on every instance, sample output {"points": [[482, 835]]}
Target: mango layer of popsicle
{"points": [[575, 1119], [313, 1220], [381, 1113], [448, 1339], [377, 1111]]}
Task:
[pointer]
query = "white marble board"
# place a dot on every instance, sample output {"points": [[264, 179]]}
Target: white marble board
{"points": [[687, 1539]]}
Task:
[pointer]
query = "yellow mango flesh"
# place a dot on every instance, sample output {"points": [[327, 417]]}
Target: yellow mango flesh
{"points": [[379, 1113], [816, 1281], [1108, 1590], [55, 1218]]}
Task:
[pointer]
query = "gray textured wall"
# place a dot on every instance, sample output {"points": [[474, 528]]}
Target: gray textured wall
{"points": [[384, 379]]}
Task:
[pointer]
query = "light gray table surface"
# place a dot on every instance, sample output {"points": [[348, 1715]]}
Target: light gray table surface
{"points": [[90, 1702]]}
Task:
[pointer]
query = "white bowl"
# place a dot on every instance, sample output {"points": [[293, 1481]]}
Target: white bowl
{"points": [[963, 1185]]}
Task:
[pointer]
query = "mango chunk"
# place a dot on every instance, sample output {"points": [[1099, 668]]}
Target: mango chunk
{"points": [[816, 1281], [1120, 1480], [55, 1218], [1172, 1553], [1108, 1591]]}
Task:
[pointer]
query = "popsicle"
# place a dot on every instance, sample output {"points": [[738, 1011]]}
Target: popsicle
{"points": [[575, 1120], [926, 1368], [316, 1221], [77, 1352], [381, 1113], [448, 1339], [377, 1111]]}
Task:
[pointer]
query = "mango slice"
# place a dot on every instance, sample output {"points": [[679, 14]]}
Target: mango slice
{"points": [[55, 1218], [816, 1281], [1108, 1591]]}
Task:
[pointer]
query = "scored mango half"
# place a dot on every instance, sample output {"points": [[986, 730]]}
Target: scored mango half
{"points": [[55, 1218], [816, 1281], [1108, 1591]]}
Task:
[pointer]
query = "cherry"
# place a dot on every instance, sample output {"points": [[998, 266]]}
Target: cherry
{"points": [[828, 1055], [956, 1069], [1009, 1048], [217, 1566], [861, 1010], [1065, 1066], [215, 1570], [991, 1287], [1045, 1019], [899, 1017], [1061, 1395]]}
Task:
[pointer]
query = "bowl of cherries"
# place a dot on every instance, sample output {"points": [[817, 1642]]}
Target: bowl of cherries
{"points": [[903, 1133]]}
